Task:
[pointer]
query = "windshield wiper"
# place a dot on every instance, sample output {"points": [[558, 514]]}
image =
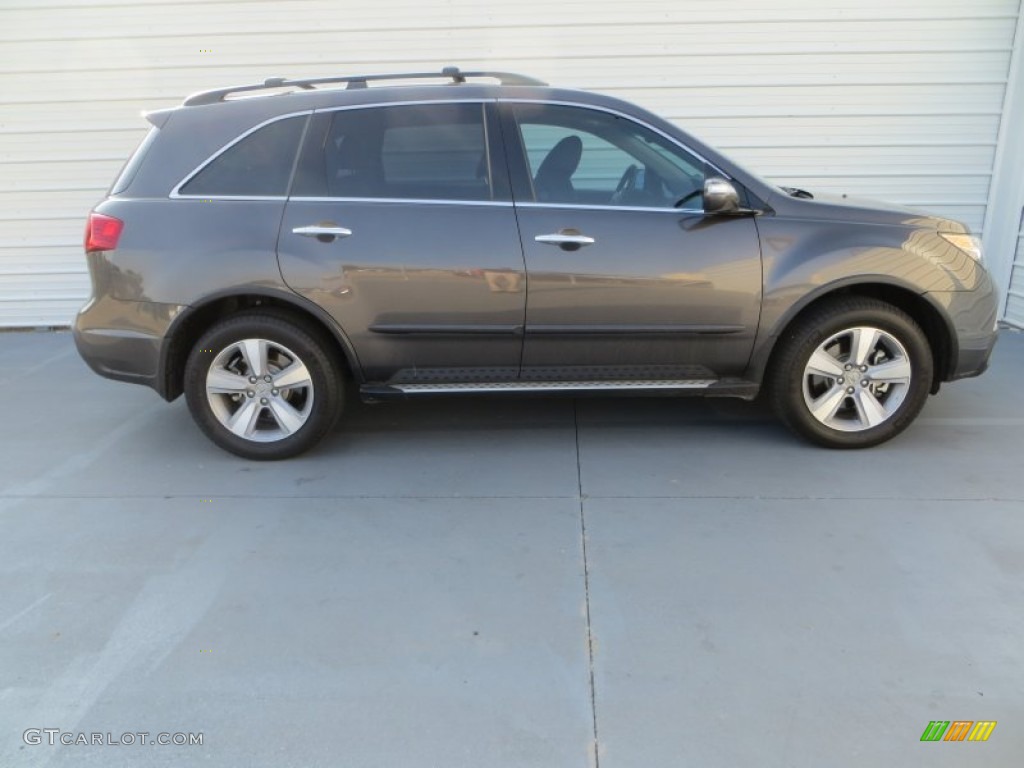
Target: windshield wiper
{"points": [[795, 192]]}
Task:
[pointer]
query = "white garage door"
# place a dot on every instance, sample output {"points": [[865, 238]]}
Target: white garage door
{"points": [[896, 99]]}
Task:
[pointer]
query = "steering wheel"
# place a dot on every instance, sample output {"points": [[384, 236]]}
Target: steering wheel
{"points": [[687, 197], [628, 179]]}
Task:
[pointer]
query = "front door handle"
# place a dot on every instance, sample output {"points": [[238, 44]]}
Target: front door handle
{"points": [[325, 232], [567, 239]]}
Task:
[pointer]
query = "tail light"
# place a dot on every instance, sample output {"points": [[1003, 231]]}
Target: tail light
{"points": [[102, 232]]}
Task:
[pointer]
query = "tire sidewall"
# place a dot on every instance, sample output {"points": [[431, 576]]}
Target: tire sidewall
{"points": [[810, 335]]}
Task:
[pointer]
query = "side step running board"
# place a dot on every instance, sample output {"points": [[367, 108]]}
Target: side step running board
{"points": [[445, 387]]}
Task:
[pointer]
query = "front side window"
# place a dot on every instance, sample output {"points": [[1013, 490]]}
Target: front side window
{"points": [[420, 152], [583, 156], [259, 165]]}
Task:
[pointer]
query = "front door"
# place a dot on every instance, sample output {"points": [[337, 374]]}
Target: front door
{"points": [[628, 279], [401, 226]]}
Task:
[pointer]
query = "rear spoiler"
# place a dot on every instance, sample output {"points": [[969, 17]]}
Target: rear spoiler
{"points": [[158, 116]]}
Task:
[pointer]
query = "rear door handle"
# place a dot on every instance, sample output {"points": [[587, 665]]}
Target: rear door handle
{"points": [[325, 233], [570, 240]]}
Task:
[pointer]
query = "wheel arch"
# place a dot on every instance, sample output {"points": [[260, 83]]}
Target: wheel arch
{"points": [[191, 323], [936, 326]]}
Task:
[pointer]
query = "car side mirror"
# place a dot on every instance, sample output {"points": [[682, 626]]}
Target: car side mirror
{"points": [[720, 197]]}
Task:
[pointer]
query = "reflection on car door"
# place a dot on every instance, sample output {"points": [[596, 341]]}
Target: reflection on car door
{"points": [[621, 280], [400, 224]]}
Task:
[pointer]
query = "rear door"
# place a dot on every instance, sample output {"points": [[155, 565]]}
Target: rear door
{"points": [[400, 224]]}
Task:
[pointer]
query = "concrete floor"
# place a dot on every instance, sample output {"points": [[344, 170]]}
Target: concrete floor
{"points": [[495, 583]]}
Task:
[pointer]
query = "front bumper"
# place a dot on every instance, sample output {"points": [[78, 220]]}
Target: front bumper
{"points": [[973, 359], [972, 315]]}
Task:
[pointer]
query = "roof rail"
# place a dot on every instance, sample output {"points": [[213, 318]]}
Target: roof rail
{"points": [[355, 81]]}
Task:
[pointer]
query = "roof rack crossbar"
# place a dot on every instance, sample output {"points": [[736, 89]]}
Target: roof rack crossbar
{"points": [[355, 81]]}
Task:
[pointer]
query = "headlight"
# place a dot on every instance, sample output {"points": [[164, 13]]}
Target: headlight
{"points": [[969, 244]]}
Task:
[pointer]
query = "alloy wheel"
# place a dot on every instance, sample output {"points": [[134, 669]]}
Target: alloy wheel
{"points": [[259, 390], [856, 379]]}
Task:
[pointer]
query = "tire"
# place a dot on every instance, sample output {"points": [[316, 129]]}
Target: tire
{"points": [[851, 374], [278, 408]]}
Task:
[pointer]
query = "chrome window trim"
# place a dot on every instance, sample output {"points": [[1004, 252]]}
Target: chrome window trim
{"points": [[487, 203], [401, 200], [599, 207], [176, 192], [211, 198]]}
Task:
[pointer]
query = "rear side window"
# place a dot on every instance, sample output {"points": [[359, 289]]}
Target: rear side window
{"points": [[259, 165], [432, 152]]}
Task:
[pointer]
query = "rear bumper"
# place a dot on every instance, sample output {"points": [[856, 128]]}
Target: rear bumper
{"points": [[123, 340]]}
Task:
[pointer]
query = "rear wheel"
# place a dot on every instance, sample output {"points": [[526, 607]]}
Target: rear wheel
{"points": [[263, 387], [852, 374]]}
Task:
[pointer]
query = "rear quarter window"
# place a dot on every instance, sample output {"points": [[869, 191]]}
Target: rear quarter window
{"points": [[134, 162], [257, 165]]}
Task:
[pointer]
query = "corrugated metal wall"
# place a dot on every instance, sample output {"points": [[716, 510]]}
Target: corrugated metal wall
{"points": [[896, 99]]}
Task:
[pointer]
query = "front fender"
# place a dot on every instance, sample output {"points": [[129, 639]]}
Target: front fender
{"points": [[804, 261]]}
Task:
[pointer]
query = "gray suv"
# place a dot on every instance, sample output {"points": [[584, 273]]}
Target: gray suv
{"points": [[269, 246]]}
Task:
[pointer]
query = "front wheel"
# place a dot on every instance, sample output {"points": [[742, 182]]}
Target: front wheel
{"points": [[263, 387], [852, 374]]}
